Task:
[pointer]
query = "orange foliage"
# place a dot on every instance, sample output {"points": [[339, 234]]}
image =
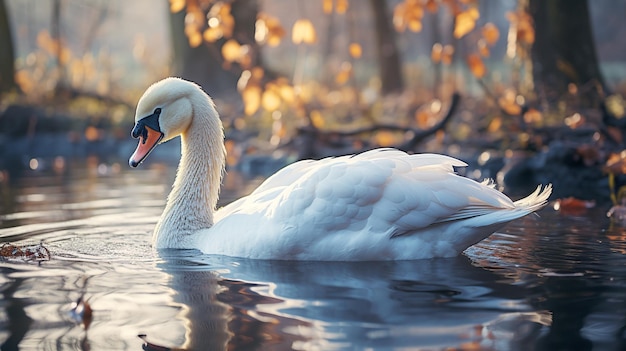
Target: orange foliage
{"points": [[476, 65], [408, 14], [491, 34], [268, 30], [355, 50], [508, 104], [303, 32], [465, 22]]}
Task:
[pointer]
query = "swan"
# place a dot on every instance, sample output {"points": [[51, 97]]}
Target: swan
{"points": [[382, 204]]}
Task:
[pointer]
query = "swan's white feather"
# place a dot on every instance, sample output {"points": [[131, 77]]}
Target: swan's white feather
{"points": [[382, 204], [373, 206]]}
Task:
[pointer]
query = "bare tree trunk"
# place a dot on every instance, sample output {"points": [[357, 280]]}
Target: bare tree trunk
{"points": [[564, 51], [388, 56], [7, 54]]}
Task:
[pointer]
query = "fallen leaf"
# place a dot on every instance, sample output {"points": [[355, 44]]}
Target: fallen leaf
{"points": [[573, 206]]}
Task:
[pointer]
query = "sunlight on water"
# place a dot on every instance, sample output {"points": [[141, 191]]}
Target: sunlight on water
{"points": [[542, 283]]}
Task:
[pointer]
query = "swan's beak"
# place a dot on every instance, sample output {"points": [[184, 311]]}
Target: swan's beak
{"points": [[148, 131]]}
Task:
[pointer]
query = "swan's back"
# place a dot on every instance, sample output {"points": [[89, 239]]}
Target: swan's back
{"points": [[382, 204]]}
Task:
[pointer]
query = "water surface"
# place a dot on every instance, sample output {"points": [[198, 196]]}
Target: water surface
{"points": [[551, 283]]}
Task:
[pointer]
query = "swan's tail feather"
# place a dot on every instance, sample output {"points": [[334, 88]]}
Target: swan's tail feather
{"points": [[535, 201]]}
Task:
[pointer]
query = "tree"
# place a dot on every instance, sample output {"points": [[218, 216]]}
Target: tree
{"points": [[565, 52], [388, 56], [202, 61], [7, 55]]}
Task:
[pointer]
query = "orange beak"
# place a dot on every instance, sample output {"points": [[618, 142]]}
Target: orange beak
{"points": [[147, 142]]}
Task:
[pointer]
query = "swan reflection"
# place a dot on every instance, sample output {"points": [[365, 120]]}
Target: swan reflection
{"points": [[232, 304]]}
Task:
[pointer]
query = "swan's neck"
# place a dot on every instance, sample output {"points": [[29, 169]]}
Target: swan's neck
{"points": [[192, 201]]}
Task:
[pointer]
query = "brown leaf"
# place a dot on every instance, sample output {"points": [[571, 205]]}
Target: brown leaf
{"points": [[573, 206], [431, 6], [491, 34], [616, 164], [476, 65]]}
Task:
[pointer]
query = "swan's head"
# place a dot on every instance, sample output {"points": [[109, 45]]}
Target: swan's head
{"points": [[164, 111]]}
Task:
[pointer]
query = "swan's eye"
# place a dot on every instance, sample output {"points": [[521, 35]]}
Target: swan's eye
{"points": [[157, 111]]}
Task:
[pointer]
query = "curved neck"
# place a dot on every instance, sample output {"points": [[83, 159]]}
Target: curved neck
{"points": [[191, 203]]}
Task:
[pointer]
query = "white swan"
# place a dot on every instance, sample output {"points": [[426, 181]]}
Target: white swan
{"points": [[379, 205]]}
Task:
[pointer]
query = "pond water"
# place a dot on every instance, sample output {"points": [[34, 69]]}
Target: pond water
{"points": [[553, 282]]}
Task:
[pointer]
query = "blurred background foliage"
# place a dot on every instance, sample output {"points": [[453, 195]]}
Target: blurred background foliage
{"points": [[325, 77]]}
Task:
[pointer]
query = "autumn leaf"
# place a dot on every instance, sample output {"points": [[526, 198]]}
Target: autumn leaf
{"points": [[465, 22], [476, 65], [616, 163], [231, 50], [532, 116], [177, 5], [341, 7], [574, 121], [491, 34], [573, 206], [303, 32], [355, 50], [423, 118], [431, 6], [415, 26], [268, 30], [495, 124], [447, 54], [317, 119], [436, 52], [398, 17], [270, 100], [251, 96], [483, 49], [345, 72], [508, 104], [616, 105], [327, 6], [408, 14], [211, 35], [195, 39], [385, 139], [522, 26]]}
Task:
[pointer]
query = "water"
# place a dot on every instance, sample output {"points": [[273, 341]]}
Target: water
{"points": [[551, 283]]}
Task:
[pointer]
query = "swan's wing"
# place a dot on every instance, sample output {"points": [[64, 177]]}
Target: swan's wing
{"points": [[382, 191]]}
